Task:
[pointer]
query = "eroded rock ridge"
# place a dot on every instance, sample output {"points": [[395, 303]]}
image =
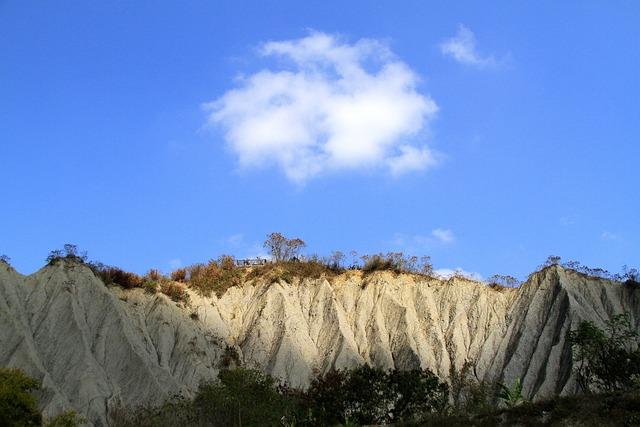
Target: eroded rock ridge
{"points": [[93, 345]]}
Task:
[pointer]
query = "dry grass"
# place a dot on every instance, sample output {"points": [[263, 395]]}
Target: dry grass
{"points": [[288, 271], [214, 277]]}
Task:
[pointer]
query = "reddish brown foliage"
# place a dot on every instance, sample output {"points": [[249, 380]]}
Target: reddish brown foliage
{"points": [[179, 275]]}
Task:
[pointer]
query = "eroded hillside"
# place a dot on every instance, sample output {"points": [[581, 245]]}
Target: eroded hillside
{"points": [[93, 345]]}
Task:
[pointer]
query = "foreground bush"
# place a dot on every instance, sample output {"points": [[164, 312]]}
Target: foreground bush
{"points": [[367, 395], [18, 406], [607, 359], [66, 419], [243, 397], [239, 397]]}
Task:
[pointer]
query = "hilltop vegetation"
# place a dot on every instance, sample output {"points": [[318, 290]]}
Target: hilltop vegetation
{"points": [[287, 264]]}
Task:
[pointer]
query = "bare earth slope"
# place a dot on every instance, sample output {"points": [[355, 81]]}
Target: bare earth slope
{"points": [[92, 345]]}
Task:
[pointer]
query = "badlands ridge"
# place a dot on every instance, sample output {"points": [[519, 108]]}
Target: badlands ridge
{"points": [[93, 345]]}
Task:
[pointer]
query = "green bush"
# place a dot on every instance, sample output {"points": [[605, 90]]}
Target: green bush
{"points": [[242, 397], [66, 419], [368, 395], [469, 394], [607, 359], [18, 407]]}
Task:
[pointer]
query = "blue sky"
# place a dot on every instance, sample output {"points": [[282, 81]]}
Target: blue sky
{"points": [[487, 138]]}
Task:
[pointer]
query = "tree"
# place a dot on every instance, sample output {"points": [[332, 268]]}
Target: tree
{"points": [[607, 359], [426, 267], [336, 259], [630, 274], [367, 395], [4, 259], [502, 280], [18, 407], [354, 259], [240, 397], [293, 248], [552, 260], [69, 252], [282, 248], [415, 393]]}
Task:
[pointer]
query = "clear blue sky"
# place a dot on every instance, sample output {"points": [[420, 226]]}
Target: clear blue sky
{"points": [[106, 139]]}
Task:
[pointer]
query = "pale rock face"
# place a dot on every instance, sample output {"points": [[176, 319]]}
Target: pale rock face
{"points": [[93, 345]]}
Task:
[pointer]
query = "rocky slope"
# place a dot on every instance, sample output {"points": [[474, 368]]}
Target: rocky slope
{"points": [[93, 345]]}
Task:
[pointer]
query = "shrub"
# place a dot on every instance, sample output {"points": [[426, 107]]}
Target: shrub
{"points": [[511, 396], [174, 290], [69, 252], [469, 394], [242, 397], [5, 259], [150, 286], [288, 270], [397, 262], [66, 419], [380, 263], [230, 357], [607, 359], [122, 278], [154, 275], [179, 275], [368, 395], [176, 411], [499, 281], [18, 406], [215, 276]]}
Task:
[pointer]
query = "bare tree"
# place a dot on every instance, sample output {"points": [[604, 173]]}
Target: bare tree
{"points": [[354, 258], [503, 280], [336, 259], [426, 267], [293, 248], [552, 260], [275, 243], [282, 248]]}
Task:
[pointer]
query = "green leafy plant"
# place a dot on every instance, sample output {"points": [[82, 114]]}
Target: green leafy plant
{"points": [[511, 396], [66, 419], [18, 406]]}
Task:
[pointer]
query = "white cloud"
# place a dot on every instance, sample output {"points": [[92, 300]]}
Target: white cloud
{"points": [[462, 48], [446, 273], [337, 106], [607, 235], [443, 235]]}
